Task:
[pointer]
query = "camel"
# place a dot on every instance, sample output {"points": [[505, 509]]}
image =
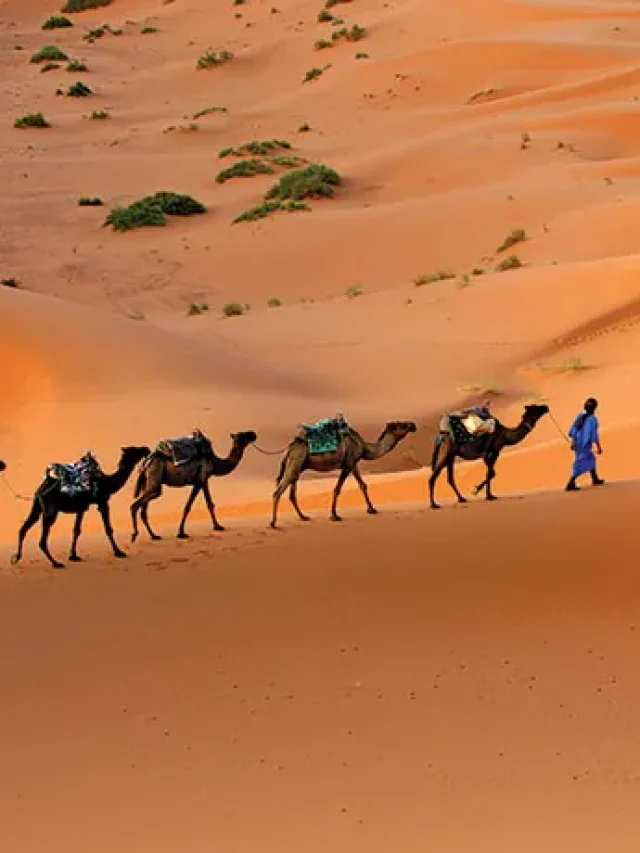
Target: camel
{"points": [[49, 501], [351, 450], [159, 470], [488, 448]]}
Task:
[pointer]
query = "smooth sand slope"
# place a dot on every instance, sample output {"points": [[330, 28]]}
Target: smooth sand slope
{"points": [[455, 681]]}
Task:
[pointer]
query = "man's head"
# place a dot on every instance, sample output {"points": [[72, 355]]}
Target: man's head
{"points": [[590, 405]]}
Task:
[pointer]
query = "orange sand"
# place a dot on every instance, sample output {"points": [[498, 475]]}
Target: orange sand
{"points": [[488, 683]]}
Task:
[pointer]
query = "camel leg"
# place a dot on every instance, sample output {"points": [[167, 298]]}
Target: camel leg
{"points": [[141, 505], [490, 462], [452, 482], [195, 491], [48, 520], [211, 507], [344, 473], [31, 519], [365, 491], [293, 497], [103, 509], [437, 466], [289, 472], [77, 530]]}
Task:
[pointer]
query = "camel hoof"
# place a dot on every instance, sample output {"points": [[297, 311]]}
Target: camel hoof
{"points": [[73, 558], [436, 506], [58, 565], [219, 528], [15, 559], [182, 536], [120, 555], [492, 498], [155, 537], [273, 525], [462, 500], [372, 510], [336, 518], [304, 518]]}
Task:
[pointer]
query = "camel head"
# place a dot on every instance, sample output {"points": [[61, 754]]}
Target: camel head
{"points": [[399, 429], [3, 466], [533, 413], [243, 439], [131, 455]]}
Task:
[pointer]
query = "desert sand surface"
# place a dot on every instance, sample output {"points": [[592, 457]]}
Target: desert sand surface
{"points": [[459, 681]]}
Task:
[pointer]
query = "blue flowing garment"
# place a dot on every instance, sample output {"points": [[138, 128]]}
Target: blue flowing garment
{"points": [[584, 434]]}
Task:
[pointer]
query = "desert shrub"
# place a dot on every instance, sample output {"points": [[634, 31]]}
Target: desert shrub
{"points": [[315, 181], [324, 16], [287, 162], [86, 201], [322, 44], [274, 302], [145, 31], [304, 128], [356, 33], [76, 66], [211, 59], [153, 211], [510, 263], [353, 291], [233, 309], [208, 110], [517, 236], [57, 22], [312, 74], [99, 115], [244, 169], [329, 4], [9, 282], [83, 5], [477, 271], [440, 275], [49, 53], [197, 308], [258, 148], [361, 55], [49, 66], [31, 120], [79, 90], [260, 211]]}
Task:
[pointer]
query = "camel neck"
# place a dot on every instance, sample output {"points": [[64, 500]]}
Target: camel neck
{"points": [[514, 435], [119, 478], [376, 449], [226, 466]]}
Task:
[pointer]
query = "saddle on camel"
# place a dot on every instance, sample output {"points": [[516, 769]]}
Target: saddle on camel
{"points": [[186, 448], [79, 477], [473, 426], [325, 435]]}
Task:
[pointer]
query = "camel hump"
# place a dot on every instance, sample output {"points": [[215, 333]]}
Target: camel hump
{"points": [[185, 448]]}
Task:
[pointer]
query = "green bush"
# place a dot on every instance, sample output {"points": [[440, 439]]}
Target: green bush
{"points": [[56, 22], [260, 211], [211, 59], [85, 201], [145, 31], [315, 181], [209, 110], [258, 148], [49, 66], [153, 211], [244, 169], [31, 120], [519, 235], [513, 262], [274, 302], [79, 90], [83, 5], [99, 115], [312, 74], [76, 66], [49, 53], [197, 308], [233, 309]]}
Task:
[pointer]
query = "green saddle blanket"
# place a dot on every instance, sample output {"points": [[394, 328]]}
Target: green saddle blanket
{"points": [[324, 436]]}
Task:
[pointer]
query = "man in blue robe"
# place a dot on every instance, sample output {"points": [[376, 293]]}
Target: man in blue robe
{"points": [[584, 435]]}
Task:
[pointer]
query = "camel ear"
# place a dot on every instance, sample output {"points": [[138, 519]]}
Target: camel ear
{"points": [[233, 435]]}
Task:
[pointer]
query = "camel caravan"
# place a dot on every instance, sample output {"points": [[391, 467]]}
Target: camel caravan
{"points": [[330, 444]]}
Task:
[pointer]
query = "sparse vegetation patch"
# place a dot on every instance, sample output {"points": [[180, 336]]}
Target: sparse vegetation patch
{"points": [[76, 66], [519, 235], [233, 309], [83, 5], [57, 22], [314, 181], [31, 120], [244, 169], [512, 262], [439, 275], [312, 74], [197, 308], [99, 115], [79, 90], [211, 59], [49, 66], [208, 110], [258, 148], [86, 201], [49, 53], [153, 210]]}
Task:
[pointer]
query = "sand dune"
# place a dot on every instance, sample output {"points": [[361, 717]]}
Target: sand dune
{"points": [[417, 680]]}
